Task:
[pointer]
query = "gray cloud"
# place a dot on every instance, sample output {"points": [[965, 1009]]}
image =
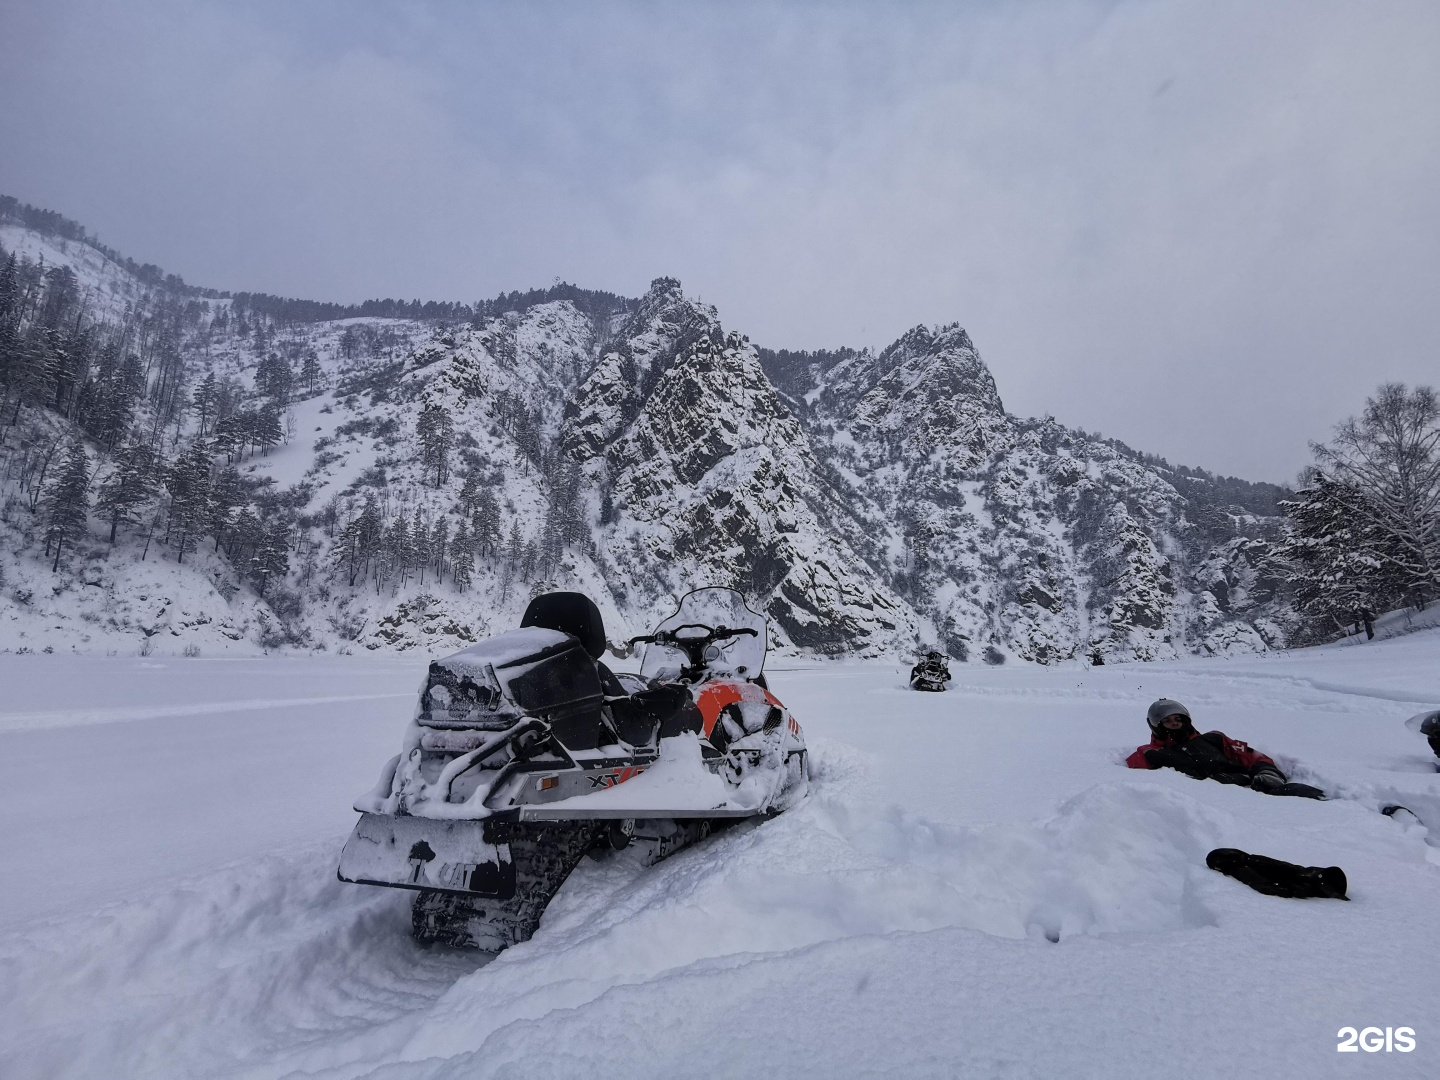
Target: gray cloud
{"points": [[1207, 228]]}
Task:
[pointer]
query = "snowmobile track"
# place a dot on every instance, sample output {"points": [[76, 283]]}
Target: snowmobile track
{"points": [[544, 854]]}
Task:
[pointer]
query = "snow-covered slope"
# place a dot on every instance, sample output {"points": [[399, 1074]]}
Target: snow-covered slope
{"points": [[977, 886]]}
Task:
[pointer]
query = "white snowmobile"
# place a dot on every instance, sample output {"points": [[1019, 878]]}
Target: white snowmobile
{"points": [[526, 752]]}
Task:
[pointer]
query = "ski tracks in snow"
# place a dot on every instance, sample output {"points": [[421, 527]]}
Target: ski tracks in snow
{"points": [[59, 718], [214, 974]]}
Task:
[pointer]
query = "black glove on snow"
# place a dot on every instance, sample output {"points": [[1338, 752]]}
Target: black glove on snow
{"points": [[1267, 779], [1170, 758]]}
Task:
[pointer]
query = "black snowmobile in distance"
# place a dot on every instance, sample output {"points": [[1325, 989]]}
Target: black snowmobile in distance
{"points": [[526, 752], [931, 673]]}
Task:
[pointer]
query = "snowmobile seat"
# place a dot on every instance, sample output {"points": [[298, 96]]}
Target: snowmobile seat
{"points": [[659, 710], [575, 614], [570, 613]]}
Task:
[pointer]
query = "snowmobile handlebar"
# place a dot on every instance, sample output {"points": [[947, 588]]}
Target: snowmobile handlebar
{"points": [[711, 634]]}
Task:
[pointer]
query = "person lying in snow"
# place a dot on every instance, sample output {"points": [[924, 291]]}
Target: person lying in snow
{"points": [[1175, 744], [1427, 724]]}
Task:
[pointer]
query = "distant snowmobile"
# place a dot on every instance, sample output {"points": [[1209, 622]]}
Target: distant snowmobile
{"points": [[526, 752], [931, 673]]}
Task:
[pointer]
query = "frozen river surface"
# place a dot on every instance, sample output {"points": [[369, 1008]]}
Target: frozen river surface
{"points": [[976, 887]]}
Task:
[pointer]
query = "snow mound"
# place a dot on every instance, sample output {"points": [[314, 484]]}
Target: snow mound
{"points": [[272, 965]]}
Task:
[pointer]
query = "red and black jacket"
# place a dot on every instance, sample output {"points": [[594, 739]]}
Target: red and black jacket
{"points": [[1200, 755]]}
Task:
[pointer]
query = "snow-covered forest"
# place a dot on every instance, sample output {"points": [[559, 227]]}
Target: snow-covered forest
{"points": [[190, 471]]}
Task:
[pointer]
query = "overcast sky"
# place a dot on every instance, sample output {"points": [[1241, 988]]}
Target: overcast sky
{"points": [[1206, 228]]}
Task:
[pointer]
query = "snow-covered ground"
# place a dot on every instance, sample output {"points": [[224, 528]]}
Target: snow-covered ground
{"points": [[976, 887]]}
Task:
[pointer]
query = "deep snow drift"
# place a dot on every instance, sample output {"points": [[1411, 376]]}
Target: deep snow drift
{"points": [[976, 887]]}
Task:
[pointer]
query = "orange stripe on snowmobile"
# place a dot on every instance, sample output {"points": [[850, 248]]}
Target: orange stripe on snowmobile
{"points": [[716, 695]]}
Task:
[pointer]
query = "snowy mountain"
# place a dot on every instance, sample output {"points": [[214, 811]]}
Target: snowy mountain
{"points": [[423, 477], [1023, 533]]}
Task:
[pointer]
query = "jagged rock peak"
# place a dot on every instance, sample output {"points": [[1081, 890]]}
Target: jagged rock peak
{"points": [[945, 359], [665, 303], [927, 391], [664, 329]]}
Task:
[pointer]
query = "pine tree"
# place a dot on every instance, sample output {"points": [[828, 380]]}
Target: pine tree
{"points": [[514, 553], [436, 433], [360, 541], [271, 560], [9, 291], [230, 437], [268, 430], [67, 501], [1333, 555], [188, 481], [462, 559], [204, 402], [399, 552], [125, 393], [9, 318], [420, 545], [486, 525], [107, 413], [310, 371], [552, 540], [227, 494], [243, 537], [130, 485], [439, 547], [470, 492], [274, 379], [30, 369]]}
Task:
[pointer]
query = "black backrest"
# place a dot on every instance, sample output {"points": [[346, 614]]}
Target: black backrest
{"points": [[570, 613]]}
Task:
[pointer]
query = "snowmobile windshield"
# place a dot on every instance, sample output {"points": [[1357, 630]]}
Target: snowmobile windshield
{"points": [[741, 656]]}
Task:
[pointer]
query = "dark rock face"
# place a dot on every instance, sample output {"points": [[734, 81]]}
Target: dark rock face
{"points": [[891, 501], [713, 481]]}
